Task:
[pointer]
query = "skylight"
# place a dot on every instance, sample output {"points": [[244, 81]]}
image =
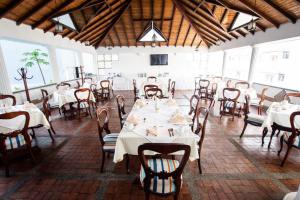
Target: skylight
{"points": [[65, 20], [152, 34], [242, 20]]}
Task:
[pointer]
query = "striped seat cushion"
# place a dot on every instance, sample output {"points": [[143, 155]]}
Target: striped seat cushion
{"points": [[162, 186], [286, 136], [230, 104], [82, 105], [110, 141], [15, 142]]}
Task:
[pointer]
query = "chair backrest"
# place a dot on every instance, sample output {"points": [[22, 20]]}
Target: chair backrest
{"points": [[231, 94], [229, 84], [199, 123], [194, 101], [82, 95], [242, 85], [23, 130], [102, 115], [151, 78], [247, 105], [151, 92], [149, 86], [104, 84], [203, 83], [163, 149], [46, 107], [172, 89], [7, 100], [44, 93], [295, 130], [121, 105], [62, 84], [77, 85], [93, 87]]}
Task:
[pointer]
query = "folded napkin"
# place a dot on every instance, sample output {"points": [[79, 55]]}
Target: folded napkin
{"points": [[178, 118], [152, 131], [133, 119], [171, 102]]}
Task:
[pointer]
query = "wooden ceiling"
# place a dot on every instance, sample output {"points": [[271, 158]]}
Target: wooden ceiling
{"points": [[120, 22]]}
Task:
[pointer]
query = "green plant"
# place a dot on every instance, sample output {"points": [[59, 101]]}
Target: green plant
{"points": [[36, 57]]}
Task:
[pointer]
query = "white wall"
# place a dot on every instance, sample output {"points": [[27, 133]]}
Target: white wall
{"points": [[9, 30], [182, 64]]}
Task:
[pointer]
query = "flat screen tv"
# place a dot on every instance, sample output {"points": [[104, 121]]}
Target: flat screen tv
{"points": [[159, 59]]}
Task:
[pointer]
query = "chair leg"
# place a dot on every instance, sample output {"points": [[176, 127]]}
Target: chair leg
{"points": [[286, 155], [51, 136], [59, 111], [127, 164], [199, 166], [281, 145], [265, 132], [90, 112], [245, 126], [6, 163], [52, 129], [102, 161], [33, 132], [147, 195], [273, 132]]}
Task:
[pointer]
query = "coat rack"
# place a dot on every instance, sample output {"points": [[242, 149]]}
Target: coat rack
{"points": [[81, 74], [23, 73]]}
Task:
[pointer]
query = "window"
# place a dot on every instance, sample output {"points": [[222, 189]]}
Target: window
{"points": [[13, 53], [241, 20], [67, 61], [105, 60], [88, 63], [277, 64], [237, 63], [211, 64]]}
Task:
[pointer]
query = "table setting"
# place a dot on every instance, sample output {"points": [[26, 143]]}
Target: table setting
{"points": [[155, 121]]}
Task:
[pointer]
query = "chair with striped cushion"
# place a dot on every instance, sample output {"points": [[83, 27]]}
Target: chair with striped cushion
{"points": [[291, 139], [16, 140], [108, 141], [159, 175], [229, 103], [82, 96]]}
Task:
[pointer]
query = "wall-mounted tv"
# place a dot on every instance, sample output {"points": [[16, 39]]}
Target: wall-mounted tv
{"points": [[159, 59]]}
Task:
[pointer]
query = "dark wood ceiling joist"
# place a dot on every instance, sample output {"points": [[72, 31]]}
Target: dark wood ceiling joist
{"points": [[171, 26], [13, 4]]}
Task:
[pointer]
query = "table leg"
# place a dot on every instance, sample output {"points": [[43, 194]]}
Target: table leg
{"points": [[265, 132], [273, 133]]}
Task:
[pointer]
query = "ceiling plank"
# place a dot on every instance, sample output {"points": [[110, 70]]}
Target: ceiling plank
{"points": [[125, 31], [260, 13], [82, 6], [181, 10], [110, 40], [171, 27], [120, 13], [132, 25], [162, 17], [142, 16], [49, 28], [281, 11], [51, 14], [32, 12], [179, 30], [13, 4], [193, 39], [118, 37], [186, 35], [260, 26], [199, 44], [66, 33]]}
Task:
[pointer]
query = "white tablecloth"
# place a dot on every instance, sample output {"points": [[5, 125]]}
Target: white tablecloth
{"points": [[67, 96], [280, 114], [219, 94], [160, 84], [131, 137], [37, 117]]}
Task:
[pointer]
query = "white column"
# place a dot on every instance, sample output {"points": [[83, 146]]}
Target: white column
{"points": [[252, 63], [224, 63], [53, 61], [5, 87]]}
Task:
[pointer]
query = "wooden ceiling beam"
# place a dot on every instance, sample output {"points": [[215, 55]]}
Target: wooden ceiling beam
{"points": [[186, 35], [13, 4], [49, 28], [261, 27], [194, 38], [199, 44], [281, 11], [182, 11], [118, 37], [110, 40], [31, 12], [132, 25], [82, 6], [170, 27], [69, 34], [125, 31], [120, 13], [52, 13], [66, 33], [179, 30], [149, 19], [241, 32], [259, 13]]}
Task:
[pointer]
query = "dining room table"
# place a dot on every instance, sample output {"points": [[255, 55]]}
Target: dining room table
{"points": [[37, 117], [155, 121]]}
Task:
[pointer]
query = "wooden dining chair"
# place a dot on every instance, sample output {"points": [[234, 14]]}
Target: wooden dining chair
{"points": [[105, 89], [135, 90], [199, 126], [194, 101], [151, 79], [197, 87], [229, 103], [151, 92], [47, 113], [121, 109], [107, 139], [212, 90], [203, 88], [259, 102], [162, 176], [242, 85], [62, 84], [252, 119], [291, 139], [8, 100], [16, 141], [51, 102], [229, 84], [82, 96], [172, 89]]}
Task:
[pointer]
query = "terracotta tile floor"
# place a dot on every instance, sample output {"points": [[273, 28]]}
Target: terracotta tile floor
{"points": [[233, 168]]}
